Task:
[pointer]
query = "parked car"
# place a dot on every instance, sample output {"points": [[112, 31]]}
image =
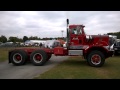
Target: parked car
{"points": [[116, 48]]}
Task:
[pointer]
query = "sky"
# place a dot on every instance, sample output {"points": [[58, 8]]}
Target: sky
{"points": [[51, 23]]}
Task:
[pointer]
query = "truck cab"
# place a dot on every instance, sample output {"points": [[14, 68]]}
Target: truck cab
{"points": [[76, 36]]}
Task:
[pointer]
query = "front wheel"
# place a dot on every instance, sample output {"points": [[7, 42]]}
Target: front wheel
{"points": [[96, 59]]}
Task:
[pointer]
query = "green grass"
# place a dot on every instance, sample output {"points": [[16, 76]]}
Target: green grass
{"points": [[4, 53], [77, 68]]}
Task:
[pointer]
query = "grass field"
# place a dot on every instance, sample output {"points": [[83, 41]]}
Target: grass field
{"points": [[77, 68], [4, 53]]}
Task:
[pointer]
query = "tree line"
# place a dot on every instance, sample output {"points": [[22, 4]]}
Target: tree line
{"points": [[17, 39], [115, 33]]}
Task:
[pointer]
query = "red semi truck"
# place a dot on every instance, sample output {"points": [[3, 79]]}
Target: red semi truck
{"points": [[94, 48]]}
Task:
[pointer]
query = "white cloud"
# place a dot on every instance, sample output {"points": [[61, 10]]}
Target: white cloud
{"points": [[50, 23]]}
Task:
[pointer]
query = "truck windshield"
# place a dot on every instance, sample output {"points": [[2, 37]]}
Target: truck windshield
{"points": [[74, 31], [77, 30]]}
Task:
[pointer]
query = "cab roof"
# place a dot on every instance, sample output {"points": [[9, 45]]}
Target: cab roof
{"points": [[75, 25]]}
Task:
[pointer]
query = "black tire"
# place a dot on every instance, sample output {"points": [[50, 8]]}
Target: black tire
{"points": [[42, 56], [96, 59], [49, 56], [22, 57]]}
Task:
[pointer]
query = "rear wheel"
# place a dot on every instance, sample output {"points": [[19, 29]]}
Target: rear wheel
{"points": [[38, 57], [96, 59], [18, 57]]}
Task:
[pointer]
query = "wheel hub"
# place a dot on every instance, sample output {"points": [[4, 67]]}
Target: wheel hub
{"points": [[96, 59], [18, 57], [38, 57]]}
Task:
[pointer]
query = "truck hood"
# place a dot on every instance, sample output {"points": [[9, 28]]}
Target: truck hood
{"points": [[98, 39]]}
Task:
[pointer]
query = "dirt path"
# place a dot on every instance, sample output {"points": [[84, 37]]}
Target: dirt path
{"points": [[28, 71]]}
